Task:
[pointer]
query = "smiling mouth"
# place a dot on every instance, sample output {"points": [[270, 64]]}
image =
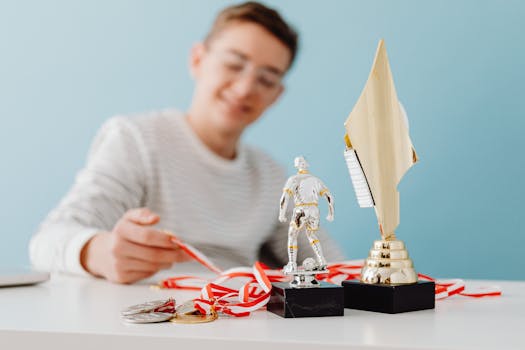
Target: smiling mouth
{"points": [[235, 107]]}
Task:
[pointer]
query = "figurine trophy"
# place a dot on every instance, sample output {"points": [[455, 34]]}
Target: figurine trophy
{"points": [[378, 153], [305, 296]]}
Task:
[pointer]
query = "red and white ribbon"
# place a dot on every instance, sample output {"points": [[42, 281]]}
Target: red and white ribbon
{"points": [[168, 307], [253, 295], [196, 254], [255, 292], [447, 288]]}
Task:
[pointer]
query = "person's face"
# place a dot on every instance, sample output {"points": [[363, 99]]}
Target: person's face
{"points": [[238, 75]]}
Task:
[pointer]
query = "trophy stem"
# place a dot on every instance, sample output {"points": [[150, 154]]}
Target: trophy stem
{"points": [[387, 236]]}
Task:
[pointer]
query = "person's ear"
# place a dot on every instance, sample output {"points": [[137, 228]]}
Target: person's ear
{"points": [[196, 56]]}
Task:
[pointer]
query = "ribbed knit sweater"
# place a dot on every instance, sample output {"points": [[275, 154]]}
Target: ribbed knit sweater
{"points": [[228, 209]]}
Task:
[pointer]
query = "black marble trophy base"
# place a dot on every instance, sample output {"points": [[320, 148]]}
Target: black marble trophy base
{"points": [[389, 299], [289, 302]]}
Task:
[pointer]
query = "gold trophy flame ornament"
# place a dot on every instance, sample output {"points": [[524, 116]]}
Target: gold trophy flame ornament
{"points": [[378, 153]]}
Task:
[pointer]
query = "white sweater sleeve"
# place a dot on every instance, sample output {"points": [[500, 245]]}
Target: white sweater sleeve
{"points": [[113, 181]]}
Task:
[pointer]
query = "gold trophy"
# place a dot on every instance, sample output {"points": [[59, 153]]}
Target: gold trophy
{"points": [[378, 153]]}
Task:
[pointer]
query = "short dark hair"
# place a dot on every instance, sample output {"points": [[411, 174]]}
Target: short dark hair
{"points": [[262, 15]]}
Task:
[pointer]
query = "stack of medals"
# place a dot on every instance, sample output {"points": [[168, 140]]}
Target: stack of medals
{"points": [[149, 312], [164, 310]]}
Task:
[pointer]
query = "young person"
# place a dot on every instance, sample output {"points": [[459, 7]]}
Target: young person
{"points": [[184, 172]]}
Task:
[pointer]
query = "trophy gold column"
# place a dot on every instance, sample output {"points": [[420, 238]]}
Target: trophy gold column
{"points": [[378, 153]]}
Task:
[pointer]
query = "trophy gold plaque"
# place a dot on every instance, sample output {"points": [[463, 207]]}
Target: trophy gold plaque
{"points": [[378, 153]]}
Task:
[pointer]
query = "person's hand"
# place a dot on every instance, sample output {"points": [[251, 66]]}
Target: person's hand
{"points": [[132, 251], [330, 217], [282, 217]]}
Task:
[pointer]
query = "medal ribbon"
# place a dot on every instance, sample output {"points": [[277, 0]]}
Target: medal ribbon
{"points": [[255, 292]]}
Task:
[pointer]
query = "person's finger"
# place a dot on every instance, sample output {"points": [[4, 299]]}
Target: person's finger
{"points": [[132, 264], [128, 249], [166, 266], [183, 257], [142, 216], [131, 277], [147, 236]]}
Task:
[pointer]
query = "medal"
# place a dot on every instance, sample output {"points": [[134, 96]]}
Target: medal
{"points": [[187, 313], [149, 312], [150, 306], [148, 317], [194, 318], [144, 307], [164, 310]]}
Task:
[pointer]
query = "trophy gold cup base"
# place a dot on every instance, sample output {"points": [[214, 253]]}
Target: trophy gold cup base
{"points": [[325, 300], [389, 282], [388, 263]]}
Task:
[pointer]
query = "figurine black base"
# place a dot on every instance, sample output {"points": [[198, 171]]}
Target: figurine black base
{"points": [[288, 302], [389, 299]]}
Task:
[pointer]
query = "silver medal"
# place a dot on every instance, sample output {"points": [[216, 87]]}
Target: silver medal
{"points": [[141, 308], [148, 317]]}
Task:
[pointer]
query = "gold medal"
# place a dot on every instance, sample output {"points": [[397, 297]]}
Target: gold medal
{"points": [[194, 318], [186, 313]]}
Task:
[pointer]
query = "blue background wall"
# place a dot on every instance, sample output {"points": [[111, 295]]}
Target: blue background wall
{"points": [[459, 68]]}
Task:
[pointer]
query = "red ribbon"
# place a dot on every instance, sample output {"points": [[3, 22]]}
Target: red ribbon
{"points": [[255, 292]]}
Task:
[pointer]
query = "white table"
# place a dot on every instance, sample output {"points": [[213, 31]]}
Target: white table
{"points": [[83, 313]]}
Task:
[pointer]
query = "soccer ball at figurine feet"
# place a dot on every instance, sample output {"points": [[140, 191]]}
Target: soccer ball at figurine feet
{"points": [[309, 264], [291, 267]]}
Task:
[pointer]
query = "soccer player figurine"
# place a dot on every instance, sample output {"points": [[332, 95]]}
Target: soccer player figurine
{"points": [[305, 296], [305, 190]]}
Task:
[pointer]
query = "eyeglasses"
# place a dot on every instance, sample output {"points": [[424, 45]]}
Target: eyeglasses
{"points": [[235, 64]]}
